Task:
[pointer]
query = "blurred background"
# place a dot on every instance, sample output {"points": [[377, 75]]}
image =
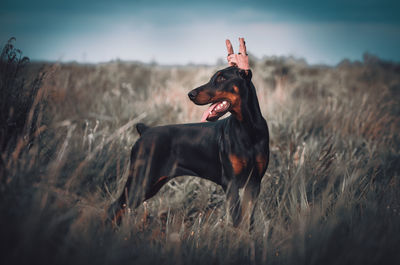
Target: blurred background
{"points": [[182, 32]]}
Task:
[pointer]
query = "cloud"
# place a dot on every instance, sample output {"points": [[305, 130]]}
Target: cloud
{"points": [[181, 32]]}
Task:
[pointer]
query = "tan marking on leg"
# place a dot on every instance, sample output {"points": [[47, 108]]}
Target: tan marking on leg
{"points": [[160, 179], [118, 216], [145, 216]]}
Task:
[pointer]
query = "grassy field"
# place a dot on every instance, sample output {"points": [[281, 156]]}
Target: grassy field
{"points": [[331, 194]]}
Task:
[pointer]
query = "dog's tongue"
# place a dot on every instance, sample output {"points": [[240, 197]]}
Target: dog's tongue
{"points": [[207, 112]]}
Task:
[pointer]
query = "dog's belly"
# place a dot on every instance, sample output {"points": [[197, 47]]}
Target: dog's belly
{"points": [[201, 162], [186, 171]]}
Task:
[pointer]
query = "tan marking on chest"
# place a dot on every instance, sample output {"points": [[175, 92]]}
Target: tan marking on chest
{"points": [[238, 164]]}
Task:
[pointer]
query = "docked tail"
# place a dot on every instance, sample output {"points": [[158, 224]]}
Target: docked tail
{"points": [[141, 128]]}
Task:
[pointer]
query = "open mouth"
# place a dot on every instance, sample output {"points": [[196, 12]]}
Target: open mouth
{"points": [[215, 111]]}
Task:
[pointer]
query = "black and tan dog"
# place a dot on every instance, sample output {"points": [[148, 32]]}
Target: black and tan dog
{"points": [[232, 152]]}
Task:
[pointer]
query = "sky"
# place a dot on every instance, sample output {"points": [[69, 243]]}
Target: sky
{"points": [[182, 32]]}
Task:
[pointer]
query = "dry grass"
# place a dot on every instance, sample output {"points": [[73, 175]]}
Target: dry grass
{"points": [[330, 195]]}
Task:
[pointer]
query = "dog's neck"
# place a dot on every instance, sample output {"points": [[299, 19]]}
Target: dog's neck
{"points": [[251, 117]]}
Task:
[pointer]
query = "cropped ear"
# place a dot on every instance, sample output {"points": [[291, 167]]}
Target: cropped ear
{"points": [[245, 74]]}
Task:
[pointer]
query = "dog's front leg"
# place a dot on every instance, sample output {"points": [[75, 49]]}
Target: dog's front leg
{"points": [[248, 202], [233, 203]]}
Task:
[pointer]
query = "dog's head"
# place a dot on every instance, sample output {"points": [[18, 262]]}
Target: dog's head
{"points": [[225, 91]]}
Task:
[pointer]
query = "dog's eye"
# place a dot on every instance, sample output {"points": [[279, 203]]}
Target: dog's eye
{"points": [[220, 78]]}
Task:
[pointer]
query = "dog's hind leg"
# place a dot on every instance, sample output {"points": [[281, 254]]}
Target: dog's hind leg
{"points": [[130, 198], [145, 178], [133, 192]]}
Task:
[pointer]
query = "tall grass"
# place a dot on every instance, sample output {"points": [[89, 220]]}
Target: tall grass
{"points": [[330, 195]]}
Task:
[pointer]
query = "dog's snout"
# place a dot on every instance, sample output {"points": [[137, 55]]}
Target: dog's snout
{"points": [[192, 94]]}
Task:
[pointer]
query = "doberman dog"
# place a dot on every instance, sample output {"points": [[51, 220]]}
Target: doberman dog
{"points": [[232, 152]]}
